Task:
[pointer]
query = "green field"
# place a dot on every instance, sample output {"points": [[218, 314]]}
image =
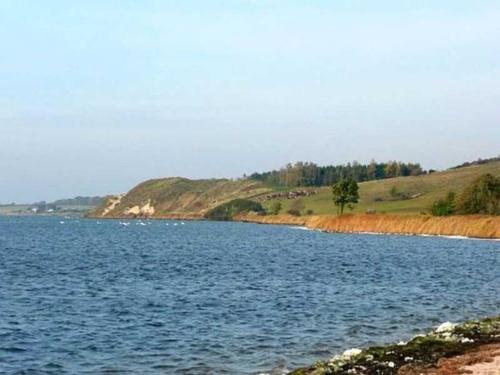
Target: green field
{"points": [[377, 195]]}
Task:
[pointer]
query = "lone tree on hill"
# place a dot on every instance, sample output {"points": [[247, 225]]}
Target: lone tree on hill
{"points": [[345, 192]]}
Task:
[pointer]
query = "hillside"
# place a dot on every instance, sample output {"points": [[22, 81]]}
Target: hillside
{"points": [[400, 195], [184, 198], [177, 197]]}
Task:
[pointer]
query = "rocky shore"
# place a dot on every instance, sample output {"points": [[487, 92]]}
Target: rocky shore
{"points": [[450, 349]]}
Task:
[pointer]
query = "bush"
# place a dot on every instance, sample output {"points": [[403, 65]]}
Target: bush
{"points": [[398, 195], [481, 197], [275, 208], [444, 206], [228, 210], [298, 205], [309, 212], [293, 212]]}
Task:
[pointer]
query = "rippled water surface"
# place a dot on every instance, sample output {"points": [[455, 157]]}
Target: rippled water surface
{"points": [[222, 298]]}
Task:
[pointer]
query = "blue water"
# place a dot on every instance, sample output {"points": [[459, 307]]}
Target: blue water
{"points": [[222, 298]]}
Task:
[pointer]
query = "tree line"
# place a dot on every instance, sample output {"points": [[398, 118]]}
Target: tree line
{"points": [[306, 174]]}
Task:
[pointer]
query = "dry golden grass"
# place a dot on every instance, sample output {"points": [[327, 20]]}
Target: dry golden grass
{"points": [[470, 226]]}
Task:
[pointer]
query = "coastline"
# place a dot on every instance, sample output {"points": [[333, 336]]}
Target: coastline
{"points": [[448, 349], [474, 226], [459, 226]]}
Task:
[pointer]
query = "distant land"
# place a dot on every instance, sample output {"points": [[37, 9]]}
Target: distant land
{"points": [[78, 205], [185, 198]]}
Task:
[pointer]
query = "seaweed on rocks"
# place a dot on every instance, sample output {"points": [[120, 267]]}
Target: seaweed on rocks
{"points": [[446, 340]]}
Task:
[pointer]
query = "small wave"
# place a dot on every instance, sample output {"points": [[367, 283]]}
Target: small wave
{"points": [[302, 228], [453, 237]]}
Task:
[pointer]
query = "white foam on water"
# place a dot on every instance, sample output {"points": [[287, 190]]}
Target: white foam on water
{"points": [[453, 237], [301, 228]]}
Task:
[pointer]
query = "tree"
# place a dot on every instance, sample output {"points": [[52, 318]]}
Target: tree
{"points": [[345, 192], [444, 206], [481, 197]]}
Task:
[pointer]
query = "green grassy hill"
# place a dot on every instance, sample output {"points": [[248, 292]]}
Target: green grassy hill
{"points": [[178, 196], [413, 194], [170, 197]]}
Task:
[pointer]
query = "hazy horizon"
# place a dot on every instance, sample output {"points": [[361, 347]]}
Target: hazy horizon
{"points": [[98, 97]]}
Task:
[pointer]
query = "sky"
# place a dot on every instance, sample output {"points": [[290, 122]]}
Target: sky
{"points": [[97, 96]]}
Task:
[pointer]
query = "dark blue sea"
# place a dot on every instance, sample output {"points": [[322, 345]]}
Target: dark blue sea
{"points": [[161, 297]]}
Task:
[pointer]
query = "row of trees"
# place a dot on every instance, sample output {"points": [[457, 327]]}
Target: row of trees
{"points": [[480, 197], [306, 174]]}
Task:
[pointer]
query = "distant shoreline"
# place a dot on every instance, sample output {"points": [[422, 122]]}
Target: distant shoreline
{"points": [[470, 226]]}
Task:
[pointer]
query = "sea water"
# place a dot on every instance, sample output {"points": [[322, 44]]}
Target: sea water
{"points": [[94, 297]]}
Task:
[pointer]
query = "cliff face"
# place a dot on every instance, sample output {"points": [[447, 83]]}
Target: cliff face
{"points": [[470, 226]]}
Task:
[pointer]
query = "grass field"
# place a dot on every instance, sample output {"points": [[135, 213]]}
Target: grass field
{"points": [[377, 195]]}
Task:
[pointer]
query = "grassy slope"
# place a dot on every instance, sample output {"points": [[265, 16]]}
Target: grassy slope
{"points": [[431, 187], [183, 196]]}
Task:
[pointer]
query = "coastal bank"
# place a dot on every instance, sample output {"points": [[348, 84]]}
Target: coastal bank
{"points": [[473, 226]]}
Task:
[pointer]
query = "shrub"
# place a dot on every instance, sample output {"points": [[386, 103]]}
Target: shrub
{"points": [[444, 206], [293, 212], [275, 208], [398, 195], [298, 205], [227, 211], [309, 212]]}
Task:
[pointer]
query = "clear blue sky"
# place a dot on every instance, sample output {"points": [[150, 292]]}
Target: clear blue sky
{"points": [[99, 95]]}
